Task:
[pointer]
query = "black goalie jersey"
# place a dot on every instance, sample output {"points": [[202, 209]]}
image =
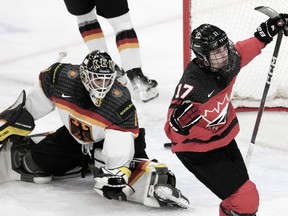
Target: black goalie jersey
{"points": [[61, 87]]}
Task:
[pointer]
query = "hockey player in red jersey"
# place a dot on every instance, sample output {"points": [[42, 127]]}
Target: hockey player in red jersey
{"points": [[201, 121], [100, 126], [116, 12]]}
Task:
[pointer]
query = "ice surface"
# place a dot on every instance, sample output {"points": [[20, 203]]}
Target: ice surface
{"points": [[32, 33]]}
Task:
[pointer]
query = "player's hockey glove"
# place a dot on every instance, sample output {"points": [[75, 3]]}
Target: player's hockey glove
{"points": [[267, 30], [184, 117], [113, 183]]}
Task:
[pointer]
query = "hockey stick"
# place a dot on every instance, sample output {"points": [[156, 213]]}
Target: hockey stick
{"points": [[61, 56], [167, 145], [40, 134], [271, 13]]}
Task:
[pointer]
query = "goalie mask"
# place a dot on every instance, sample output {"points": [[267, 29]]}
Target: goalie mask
{"points": [[97, 73], [212, 46]]}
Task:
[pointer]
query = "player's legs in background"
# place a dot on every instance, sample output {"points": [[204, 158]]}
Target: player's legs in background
{"points": [[117, 14], [88, 24]]}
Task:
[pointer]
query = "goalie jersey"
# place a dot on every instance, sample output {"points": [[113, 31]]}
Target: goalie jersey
{"points": [[218, 125], [61, 87]]}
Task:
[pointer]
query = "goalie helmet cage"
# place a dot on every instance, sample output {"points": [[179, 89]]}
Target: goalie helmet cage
{"points": [[239, 20]]}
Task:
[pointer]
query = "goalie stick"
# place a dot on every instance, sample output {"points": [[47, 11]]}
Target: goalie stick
{"points": [[272, 14], [62, 55], [41, 134]]}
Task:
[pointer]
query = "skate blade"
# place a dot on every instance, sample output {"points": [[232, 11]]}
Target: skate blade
{"points": [[170, 197]]}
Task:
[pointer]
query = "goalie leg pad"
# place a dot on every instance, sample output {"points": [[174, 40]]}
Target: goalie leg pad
{"points": [[143, 178], [34, 173], [30, 166], [146, 177], [6, 171], [11, 159]]}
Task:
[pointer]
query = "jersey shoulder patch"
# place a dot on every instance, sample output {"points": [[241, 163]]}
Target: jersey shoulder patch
{"points": [[126, 109]]}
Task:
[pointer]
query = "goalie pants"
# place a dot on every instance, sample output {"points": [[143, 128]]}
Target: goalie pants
{"points": [[59, 152], [104, 8], [224, 172]]}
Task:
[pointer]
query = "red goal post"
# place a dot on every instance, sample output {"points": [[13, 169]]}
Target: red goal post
{"points": [[239, 20]]}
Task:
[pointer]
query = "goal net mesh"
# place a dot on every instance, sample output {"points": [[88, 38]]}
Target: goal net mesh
{"points": [[239, 20]]}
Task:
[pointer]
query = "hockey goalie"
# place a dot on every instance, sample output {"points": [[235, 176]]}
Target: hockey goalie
{"points": [[100, 135]]}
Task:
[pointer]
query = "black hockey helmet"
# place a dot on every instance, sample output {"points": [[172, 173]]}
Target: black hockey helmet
{"points": [[97, 72], [205, 38]]}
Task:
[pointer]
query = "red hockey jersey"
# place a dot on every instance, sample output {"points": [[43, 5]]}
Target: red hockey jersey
{"points": [[219, 124]]}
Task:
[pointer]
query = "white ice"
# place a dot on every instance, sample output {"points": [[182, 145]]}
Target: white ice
{"points": [[32, 33]]}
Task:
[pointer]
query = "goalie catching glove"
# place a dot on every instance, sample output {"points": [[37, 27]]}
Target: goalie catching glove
{"points": [[184, 117], [267, 30], [16, 120], [113, 183]]}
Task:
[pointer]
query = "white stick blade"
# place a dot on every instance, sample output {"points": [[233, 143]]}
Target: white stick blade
{"points": [[267, 11]]}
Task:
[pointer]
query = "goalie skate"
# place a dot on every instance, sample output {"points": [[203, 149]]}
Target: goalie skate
{"points": [[170, 196]]}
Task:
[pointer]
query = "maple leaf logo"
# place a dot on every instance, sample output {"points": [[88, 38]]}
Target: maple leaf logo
{"points": [[218, 114]]}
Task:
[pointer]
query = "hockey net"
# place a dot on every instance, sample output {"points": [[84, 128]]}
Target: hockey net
{"points": [[239, 20]]}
